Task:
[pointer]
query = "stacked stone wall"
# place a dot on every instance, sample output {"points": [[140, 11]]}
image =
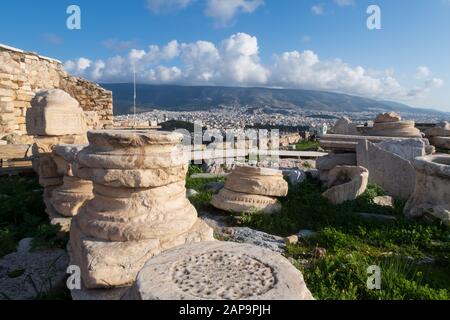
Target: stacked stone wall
{"points": [[22, 74]]}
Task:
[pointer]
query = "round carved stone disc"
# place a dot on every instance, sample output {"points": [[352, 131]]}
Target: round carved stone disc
{"points": [[219, 271]]}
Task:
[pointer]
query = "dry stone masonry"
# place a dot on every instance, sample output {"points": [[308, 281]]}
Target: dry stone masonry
{"points": [[251, 189], [219, 271], [22, 74], [139, 208]]}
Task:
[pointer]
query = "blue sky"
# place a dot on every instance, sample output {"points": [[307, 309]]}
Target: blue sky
{"points": [[322, 44]]}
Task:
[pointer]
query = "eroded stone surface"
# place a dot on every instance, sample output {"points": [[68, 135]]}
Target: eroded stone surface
{"points": [[241, 202], [431, 197], [326, 163], [257, 181], [25, 275], [391, 125], [139, 208], [219, 271], [393, 173], [346, 183], [55, 113], [344, 126]]}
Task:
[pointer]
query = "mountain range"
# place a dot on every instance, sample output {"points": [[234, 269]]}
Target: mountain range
{"points": [[193, 98]]}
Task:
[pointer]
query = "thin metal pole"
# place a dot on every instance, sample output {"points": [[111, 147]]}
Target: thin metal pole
{"points": [[134, 95]]}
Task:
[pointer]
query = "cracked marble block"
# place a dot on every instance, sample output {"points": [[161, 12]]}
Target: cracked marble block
{"points": [[139, 207]]}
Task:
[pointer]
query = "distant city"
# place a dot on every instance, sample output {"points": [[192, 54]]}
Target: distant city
{"points": [[229, 117]]}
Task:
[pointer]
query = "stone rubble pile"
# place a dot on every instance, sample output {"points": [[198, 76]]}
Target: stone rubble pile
{"points": [[139, 207], [251, 189], [54, 118], [440, 135], [391, 125]]}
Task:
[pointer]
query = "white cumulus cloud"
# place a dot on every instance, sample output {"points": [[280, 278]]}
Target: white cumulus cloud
{"points": [[225, 11], [235, 61]]}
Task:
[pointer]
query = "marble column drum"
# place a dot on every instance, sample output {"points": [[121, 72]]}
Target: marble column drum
{"points": [[139, 208]]}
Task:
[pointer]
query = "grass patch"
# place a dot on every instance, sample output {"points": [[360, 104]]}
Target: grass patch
{"points": [[354, 243], [22, 214], [307, 145]]}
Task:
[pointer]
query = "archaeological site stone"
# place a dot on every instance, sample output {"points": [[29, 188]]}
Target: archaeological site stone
{"points": [[258, 181], [387, 169], [242, 202], [326, 163], [391, 125], [139, 208], [408, 149], [67, 199], [23, 74], [344, 126], [55, 113], [219, 271], [431, 196], [54, 118], [439, 136], [251, 189], [346, 183]]}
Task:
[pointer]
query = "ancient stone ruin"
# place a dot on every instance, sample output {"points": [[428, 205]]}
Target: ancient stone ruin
{"points": [[251, 189], [344, 126], [346, 183], [431, 197], [219, 271], [440, 135], [389, 164], [54, 118], [67, 199], [22, 74], [391, 125], [139, 208]]}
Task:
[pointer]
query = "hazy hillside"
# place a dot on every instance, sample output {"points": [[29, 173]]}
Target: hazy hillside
{"points": [[184, 98]]}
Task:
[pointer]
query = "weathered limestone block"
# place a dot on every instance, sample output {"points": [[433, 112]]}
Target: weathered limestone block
{"points": [[390, 125], [386, 169], [241, 202], [408, 149], [67, 199], [441, 130], [344, 126], [219, 271], [257, 181], [346, 183], [440, 135], [326, 163], [441, 142], [139, 208], [55, 113], [431, 197]]}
